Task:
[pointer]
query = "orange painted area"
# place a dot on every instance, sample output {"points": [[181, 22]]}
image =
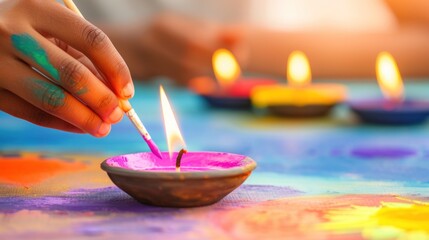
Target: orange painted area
{"points": [[31, 169]]}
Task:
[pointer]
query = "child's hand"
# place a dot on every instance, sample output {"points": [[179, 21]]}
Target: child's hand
{"points": [[87, 74]]}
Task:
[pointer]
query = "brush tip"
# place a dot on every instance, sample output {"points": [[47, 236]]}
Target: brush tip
{"points": [[154, 149]]}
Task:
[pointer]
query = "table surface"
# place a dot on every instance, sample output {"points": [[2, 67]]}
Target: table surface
{"points": [[326, 178]]}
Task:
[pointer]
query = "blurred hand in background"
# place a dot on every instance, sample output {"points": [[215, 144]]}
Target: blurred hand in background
{"points": [[174, 46], [176, 38]]}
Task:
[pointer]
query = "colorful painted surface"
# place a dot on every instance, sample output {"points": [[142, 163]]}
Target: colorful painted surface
{"points": [[316, 179], [32, 169]]}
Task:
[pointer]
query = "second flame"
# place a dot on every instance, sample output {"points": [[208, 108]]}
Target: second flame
{"points": [[225, 67], [298, 69], [389, 78]]}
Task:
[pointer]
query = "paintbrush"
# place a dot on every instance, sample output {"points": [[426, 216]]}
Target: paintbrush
{"points": [[125, 104]]}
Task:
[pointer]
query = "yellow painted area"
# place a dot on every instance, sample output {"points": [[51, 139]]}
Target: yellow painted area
{"points": [[390, 220]]}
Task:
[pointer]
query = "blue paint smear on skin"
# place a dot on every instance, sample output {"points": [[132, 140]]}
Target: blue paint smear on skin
{"points": [[82, 91], [28, 46]]}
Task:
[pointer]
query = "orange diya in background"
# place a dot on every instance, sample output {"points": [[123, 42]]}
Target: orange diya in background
{"points": [[300, 97], [179, 179], [394, 109], [232, 91]]}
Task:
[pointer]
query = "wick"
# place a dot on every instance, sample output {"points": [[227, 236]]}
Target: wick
{"points": [[179, 159]]}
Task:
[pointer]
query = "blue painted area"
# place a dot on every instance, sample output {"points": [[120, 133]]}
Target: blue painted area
{"points": [[323, 148]]}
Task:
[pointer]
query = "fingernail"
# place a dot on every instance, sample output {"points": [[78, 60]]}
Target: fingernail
{"points": [[116, 115], [103, 130], [128, 90]]}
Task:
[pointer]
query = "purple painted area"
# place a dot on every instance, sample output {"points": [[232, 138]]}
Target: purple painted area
{"points": [[112, 200], [383, 152], [201, 160], [251, 194]]}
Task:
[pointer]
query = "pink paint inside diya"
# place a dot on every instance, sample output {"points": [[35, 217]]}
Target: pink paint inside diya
{"points": [[204, 177]]}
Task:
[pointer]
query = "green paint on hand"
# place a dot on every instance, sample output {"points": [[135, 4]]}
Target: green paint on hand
{"points": [[82, 91], [28, 46], [48, 93]]}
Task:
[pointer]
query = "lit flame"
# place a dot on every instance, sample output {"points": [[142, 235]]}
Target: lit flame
{"points": [[225, 67], [389, 78], [298, 69], [174, 137]]}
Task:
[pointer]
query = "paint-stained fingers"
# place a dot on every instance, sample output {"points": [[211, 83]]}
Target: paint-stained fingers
{"points": [[78, 56], [89, 40], [51, 98], [17, 107], [69, 73], [88, 64]]}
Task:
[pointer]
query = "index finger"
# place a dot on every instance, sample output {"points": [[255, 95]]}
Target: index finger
{"points": [[88, 39]]}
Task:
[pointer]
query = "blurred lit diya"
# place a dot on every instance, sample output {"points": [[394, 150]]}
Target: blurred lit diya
{"points": [[299, 98], [179, 179], [393, 109], [204, 177], [380, 111], [231, 90]]}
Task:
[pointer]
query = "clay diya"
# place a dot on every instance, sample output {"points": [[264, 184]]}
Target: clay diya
{"points": [[204, 177], [179, 179]]}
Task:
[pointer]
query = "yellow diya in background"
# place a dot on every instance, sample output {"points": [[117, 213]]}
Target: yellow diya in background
{"points": [[230, 89], [300, 97]]}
